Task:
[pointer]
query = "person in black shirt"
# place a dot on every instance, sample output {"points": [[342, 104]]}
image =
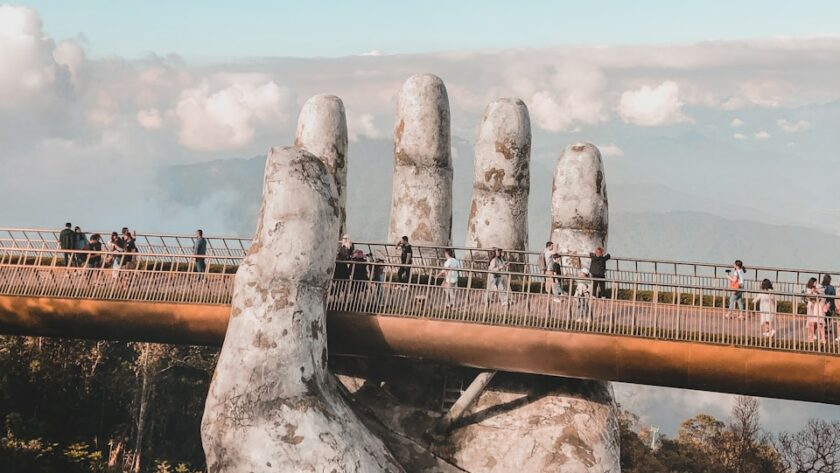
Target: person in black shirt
{"points": [[406, 255], [80, 241], [557, 270], [200, 249], [66, 241], [95, 246], [598, 271], [94, 258], [130, 247]]}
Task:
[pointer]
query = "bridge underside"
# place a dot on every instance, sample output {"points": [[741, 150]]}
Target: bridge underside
{"points": [[692, 365]]}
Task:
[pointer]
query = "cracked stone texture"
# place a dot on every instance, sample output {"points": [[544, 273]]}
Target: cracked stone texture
{"points": [[538, 423], [579, 210], [499, 211], [521, 423], [388, 420], [272, 405], [421, 202], [322, 130]]}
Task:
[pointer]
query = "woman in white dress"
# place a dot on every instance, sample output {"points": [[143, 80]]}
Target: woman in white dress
{"points": [[765, 303], [816, 312]]}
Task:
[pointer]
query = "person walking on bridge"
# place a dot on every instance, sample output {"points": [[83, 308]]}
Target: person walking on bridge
{"points": [[359, 272], [80, 241], [94, 258], [735, 279], [199, 249], [116, 246], [598, 270], [829, 306], [345, 253], [450, 274], [545, 266], [765, 303], [496, 280], [815, 320], [66, 241], [406, 257], [557, 271], [582, 295]]}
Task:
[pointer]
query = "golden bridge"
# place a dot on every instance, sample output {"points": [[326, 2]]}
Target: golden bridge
{"points": [[663, 323]]}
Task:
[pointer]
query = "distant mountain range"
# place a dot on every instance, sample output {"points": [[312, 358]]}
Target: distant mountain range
{"points": [[645, 220]]}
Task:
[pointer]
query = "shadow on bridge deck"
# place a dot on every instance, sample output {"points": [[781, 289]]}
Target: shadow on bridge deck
{"points": [[682, 364]]}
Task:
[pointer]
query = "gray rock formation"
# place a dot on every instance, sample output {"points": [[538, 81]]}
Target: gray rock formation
{"points": [[322, 130], [579, 210], [272, 404], [421, 202], [501, 178]]}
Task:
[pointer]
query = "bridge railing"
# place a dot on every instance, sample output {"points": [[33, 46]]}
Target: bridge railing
{"points": [[639, 308], [163, 245], [136, 276], [704, 286], [649, 309], [527, 262], [617, 267]]}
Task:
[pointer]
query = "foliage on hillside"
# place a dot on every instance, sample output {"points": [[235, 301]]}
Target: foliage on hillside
{"points": [[739, 445], [94, 407], [83, 406]]}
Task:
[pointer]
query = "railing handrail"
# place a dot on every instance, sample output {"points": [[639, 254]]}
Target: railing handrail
{"points": [[60, 251], [108, 232], [629, 259], [538, 254]]}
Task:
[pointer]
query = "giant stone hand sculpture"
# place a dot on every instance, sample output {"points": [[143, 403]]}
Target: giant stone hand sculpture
{"points": [[272, 404]]}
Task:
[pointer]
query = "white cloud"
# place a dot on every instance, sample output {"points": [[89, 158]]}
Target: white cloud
{"points": [[766, 93], [761, 135], [374, 53], [648, 106], [739, 136], [610, 150], [363, 126], [33, 69], [793, 127], [562, 98], [150, 119], [736, 122], [229, 118]]}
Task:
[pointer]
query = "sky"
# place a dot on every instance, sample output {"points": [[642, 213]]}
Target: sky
{"points": [[206, 30], [731, 108]]}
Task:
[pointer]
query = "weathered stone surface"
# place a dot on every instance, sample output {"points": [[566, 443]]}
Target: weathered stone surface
{"points": [[579, 210], [501, 178], [521, 423], [272, 405], [421, 202], [322, 130], [387, 420], [538, 423]]}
